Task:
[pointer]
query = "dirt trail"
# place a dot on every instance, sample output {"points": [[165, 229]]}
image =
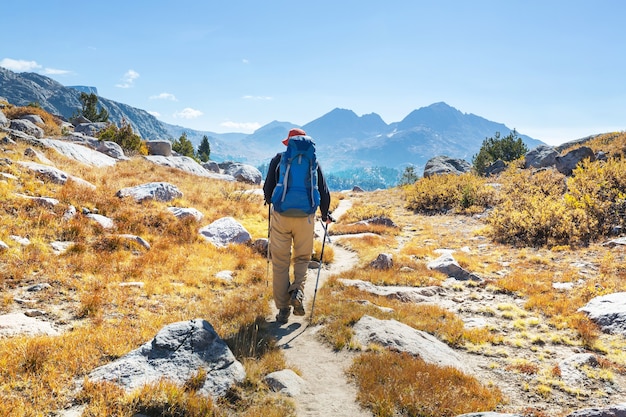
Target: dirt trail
{"points": [[327, 391]]}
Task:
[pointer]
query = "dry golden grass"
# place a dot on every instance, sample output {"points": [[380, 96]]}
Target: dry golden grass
{"points": [[546, 318], [392, 384], [105, 320], [51, 126], [329, 252]]}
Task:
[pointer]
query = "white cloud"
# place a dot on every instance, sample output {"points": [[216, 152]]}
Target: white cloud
{"points": [[164, 96], [245, 61], [19, 65], [53, 71], [246, 127], [128, 79], [258, 98], [155, 114], [188, 113]]}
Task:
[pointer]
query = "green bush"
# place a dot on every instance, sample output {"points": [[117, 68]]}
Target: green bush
{"points": [[124, 136], [508, 148]]}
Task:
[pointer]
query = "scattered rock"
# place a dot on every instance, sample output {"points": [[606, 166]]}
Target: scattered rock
{"points": [[400, 337], [79, 152], [260, 246], [90, 129], [615, 242], [69, 213], [26, 126], [139, 240], [225, 231], [570, 368], [495, 168], [53, 174], [383, 261], [401, 293], [285, 382], [3, 119], [187, 164], [32, 153], [159, 147], [542, 156], [618, 410], [608, 311], [19, 324], [489, 414], [442, 164], [24, 241], [183, 213], [136, 284], [225, 275], [159, 191], [178, 352], [212, 166], [446, 264], [103, 221], [567, 163], [39, 287], [245, 173], [48, 202], [379, 220]]}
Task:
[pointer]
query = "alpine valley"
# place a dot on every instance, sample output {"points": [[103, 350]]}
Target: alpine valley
{"points": [[352, 150]]}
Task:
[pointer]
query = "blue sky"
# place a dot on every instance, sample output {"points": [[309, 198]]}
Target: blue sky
{"points": [[554, 70]]}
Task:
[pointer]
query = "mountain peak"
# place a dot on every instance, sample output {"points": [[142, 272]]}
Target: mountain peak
{"points": [[345, 124], [438, 115]]}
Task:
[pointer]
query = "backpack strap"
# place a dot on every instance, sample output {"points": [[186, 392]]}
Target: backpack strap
{"points": [[286, 180]]}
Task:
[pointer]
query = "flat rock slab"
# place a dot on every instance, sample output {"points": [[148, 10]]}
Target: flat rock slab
{"points": [[14, 324], [608, 311], [402, 338], [177, 353]]}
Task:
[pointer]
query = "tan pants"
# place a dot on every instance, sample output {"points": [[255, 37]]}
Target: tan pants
{"points": [[285, 233]]}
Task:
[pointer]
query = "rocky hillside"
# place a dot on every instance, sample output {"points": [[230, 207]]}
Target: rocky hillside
{"points": [[22, 89]]}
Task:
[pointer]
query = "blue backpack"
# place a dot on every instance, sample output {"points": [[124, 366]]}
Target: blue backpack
{"points": [[296, 193]]}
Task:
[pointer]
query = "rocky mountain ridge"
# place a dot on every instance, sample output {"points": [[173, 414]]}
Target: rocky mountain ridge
{"points": [[347, 144]]}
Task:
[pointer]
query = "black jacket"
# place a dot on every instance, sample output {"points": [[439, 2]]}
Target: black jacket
{"points": [[272, 178]]}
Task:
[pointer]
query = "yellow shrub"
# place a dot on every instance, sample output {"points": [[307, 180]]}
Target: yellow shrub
{"points": [[543, 208], [465, 193]]}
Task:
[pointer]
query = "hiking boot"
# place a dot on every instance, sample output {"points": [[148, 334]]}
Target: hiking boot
{"points": [[297, 297], [283, 315]]}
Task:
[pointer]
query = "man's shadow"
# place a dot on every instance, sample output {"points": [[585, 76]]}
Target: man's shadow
{"points": [[285, 335]]}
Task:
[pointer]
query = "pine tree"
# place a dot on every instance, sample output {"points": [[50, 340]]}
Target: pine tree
{"points": [[409, 176], [183, 146], [90, 108], [508, 149], [204, 149]]}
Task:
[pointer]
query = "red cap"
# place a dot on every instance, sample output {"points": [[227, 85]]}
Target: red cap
{"points": [[293, 132]]}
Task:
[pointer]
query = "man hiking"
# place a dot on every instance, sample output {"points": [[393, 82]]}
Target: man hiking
{"points": [[295, 187]]}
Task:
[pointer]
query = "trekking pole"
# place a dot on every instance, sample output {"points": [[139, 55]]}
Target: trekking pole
{"points": [[269, 226], [319, 269]]}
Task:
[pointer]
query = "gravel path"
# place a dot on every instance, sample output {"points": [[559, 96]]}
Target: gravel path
{"points": [[327, 391]]}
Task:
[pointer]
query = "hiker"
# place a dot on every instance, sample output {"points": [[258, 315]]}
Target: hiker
{"points": [[294, 195]]}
